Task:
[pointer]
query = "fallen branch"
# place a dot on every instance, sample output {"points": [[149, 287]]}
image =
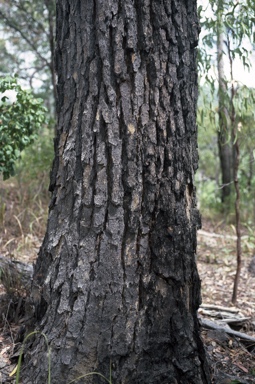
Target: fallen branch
{"points": [[238, 321], [208, 324], [15, 275], [216, 235], [219, 308]]}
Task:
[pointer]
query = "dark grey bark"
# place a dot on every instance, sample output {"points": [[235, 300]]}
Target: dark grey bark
{"points": [[116, 280]]}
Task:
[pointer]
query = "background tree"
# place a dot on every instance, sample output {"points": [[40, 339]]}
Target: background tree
{"points": [[222, 20], [116, 280], [230, 36], [224, 143], [29, 29], [25, 50]]}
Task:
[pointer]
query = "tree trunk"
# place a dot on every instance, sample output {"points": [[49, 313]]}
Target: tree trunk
{"points": [[224, 140], [50, 6], [116, 281]]}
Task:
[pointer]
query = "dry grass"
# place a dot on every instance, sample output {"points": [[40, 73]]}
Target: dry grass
{"points": [[23, 216]]}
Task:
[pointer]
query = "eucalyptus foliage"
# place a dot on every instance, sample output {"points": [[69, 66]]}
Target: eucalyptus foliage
{"points": [[236, 21], [227, 30], [20, 121]]}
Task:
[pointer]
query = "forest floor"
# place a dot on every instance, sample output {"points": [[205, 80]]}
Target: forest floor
{"points": [[231, 360]]}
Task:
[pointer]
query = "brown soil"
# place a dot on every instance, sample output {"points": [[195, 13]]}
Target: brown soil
{"points": [[229, 359]]}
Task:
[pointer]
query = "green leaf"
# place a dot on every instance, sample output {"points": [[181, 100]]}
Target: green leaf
{"points": [[19, 123]]}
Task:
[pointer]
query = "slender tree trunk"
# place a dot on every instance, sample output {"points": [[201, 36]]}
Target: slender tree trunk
{"points": [[236, 148], [238, 222], [251, 170], [224, 139], [116, 281], [50, 5]]}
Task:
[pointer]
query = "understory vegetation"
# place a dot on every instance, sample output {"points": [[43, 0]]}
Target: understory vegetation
{"points": [[24, 200]]}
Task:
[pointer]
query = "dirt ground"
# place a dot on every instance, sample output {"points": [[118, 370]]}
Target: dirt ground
{"points": [[231, 360]]}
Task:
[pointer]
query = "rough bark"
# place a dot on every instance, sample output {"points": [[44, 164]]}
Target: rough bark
{"points": [[116, 281]]}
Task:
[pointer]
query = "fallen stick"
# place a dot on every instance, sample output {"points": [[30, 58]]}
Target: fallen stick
{"points": [[15, 275], [216, 235], [208, 324], [219, 308], [237, 321]]}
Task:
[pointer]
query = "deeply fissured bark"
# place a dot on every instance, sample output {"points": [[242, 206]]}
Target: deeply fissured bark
{"points": [[116, 282]]}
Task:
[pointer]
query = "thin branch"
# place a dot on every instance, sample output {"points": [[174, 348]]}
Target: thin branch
{"points": [[26, 38], [31, 18]]}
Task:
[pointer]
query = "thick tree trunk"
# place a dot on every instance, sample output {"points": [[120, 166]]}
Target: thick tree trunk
{"points": [[116, 281]]}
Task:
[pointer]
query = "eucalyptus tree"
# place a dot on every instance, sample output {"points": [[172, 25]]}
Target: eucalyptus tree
{"points": [[223, 21], [116, 288], [225, 145], [232, 24]]}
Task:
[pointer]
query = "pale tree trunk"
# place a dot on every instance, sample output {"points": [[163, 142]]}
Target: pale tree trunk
{"points": [[116, 281], [224, 139], [50, 6]]}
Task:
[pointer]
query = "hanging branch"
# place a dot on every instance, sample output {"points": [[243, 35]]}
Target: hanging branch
{"points": [[25, 37]]}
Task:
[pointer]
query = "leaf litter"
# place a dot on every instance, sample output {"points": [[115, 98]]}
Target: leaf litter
{"points": [[230, 360]]}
